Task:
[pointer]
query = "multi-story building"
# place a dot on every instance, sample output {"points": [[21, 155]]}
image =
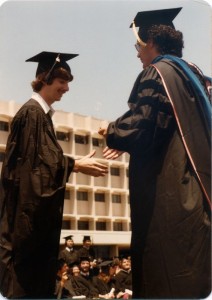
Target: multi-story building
{"points": [[94, 206]]}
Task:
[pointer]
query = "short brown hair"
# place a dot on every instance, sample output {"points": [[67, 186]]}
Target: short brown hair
{"points": [[38, 83]]}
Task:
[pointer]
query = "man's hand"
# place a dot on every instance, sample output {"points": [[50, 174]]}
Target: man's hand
{"points": [[88, 165], [103, 128], [111, 153]]}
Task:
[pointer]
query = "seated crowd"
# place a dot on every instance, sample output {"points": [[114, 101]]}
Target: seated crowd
{"points": [[86, 277]]}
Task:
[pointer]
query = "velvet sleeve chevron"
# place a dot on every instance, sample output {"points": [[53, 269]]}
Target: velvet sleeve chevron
{"points": [[150, 116]]}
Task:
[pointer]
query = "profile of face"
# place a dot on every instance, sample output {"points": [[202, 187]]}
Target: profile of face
{"points": [[146, 53], [56, 89]]}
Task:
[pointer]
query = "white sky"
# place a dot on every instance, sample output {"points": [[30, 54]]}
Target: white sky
{"points": [[107, 66]]}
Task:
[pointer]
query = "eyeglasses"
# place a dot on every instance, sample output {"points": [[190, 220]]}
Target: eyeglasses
{"points": [[138, 47]]}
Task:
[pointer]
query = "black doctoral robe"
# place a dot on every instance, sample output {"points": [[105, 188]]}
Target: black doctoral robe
{"points": [[170, 245], [33, 177]]}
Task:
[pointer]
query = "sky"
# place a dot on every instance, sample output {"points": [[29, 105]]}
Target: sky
{"points": [[98, 30]]}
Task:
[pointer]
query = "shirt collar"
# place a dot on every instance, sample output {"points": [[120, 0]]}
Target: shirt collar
{"points": [[47, 109]]}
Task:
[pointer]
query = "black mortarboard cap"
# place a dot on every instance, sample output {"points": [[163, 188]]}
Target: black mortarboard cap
{"points": [[69, 237], [106, 263], [86, 238], [145, 19], [48, 61], [84, 258]]}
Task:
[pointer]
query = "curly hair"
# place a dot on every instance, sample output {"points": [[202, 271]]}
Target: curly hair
{"points": [[167, 39], [38, 83]]}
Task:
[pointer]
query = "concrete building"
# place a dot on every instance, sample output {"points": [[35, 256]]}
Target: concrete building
{"points": [[98, 207]]}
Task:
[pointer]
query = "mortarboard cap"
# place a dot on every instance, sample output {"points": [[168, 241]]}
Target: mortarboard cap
{"points": [[145, 19], [86, 238], [106, 263], [49, 61], [84, 258], [69, 237]]}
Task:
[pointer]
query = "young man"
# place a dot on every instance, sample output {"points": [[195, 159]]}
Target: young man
{"points": [[34, 176], [69, 254], [87, 250], [166, 131]]}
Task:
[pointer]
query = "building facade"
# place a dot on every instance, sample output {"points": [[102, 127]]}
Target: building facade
{"points": [[98, 207]]}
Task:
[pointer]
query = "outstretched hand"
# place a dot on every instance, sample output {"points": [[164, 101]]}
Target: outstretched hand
{"points": [[109, 153], [88, 165]]}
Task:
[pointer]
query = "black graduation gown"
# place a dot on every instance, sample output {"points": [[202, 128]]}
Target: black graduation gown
{"points": [[70, 257], [123, 280], [85, 286], [85, 252], [170, 245], [34, 174], [67, 291]]}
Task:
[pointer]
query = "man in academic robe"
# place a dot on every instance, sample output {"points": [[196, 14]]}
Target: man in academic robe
{"points": [[123, 280], [69, 254], [166, 131], [84, 281], [34, 175], [87, 250]]}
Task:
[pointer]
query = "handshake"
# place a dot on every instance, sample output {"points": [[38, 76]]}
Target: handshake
{"points": [[89, 166]]}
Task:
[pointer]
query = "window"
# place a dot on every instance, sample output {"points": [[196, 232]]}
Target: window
{"points": [[83, 225], [98, 142], [99, 197], [127, 172], [117, 226], [81, 139], [66, 224], [114, 171], [67, 194], [116, 198], [83, 196], [2, 156], [4, 126], [100, 225], [63, 136]]}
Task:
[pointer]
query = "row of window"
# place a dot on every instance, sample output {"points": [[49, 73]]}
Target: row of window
{"points": [[100, 225], [79, 139], [98, 197], [65, 136]]}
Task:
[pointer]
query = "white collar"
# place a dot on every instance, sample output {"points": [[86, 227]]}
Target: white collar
{"points": [[69, 249], [47, 109]]}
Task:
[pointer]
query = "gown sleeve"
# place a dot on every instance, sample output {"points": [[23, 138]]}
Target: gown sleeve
{"points": [[149, 115]]}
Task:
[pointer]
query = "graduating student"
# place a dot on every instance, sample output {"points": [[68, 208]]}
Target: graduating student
{"points": [[34, 175], [69, 254], [166, 131]]}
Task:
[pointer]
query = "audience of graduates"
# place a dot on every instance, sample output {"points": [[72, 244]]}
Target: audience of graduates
{"points": [[81, 275]]}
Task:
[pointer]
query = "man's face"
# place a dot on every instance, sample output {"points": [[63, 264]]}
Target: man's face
{"points": [[85, 266], [146, 53], [87, 243], [55, 91], [126, 265], [69, 243]]}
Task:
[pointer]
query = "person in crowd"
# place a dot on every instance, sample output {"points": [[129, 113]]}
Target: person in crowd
{"points": [[75, 270], [123, 280], [88, 251], [69, 254], [166, 131], [33, 179], [64, 284], [84, 281]]}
